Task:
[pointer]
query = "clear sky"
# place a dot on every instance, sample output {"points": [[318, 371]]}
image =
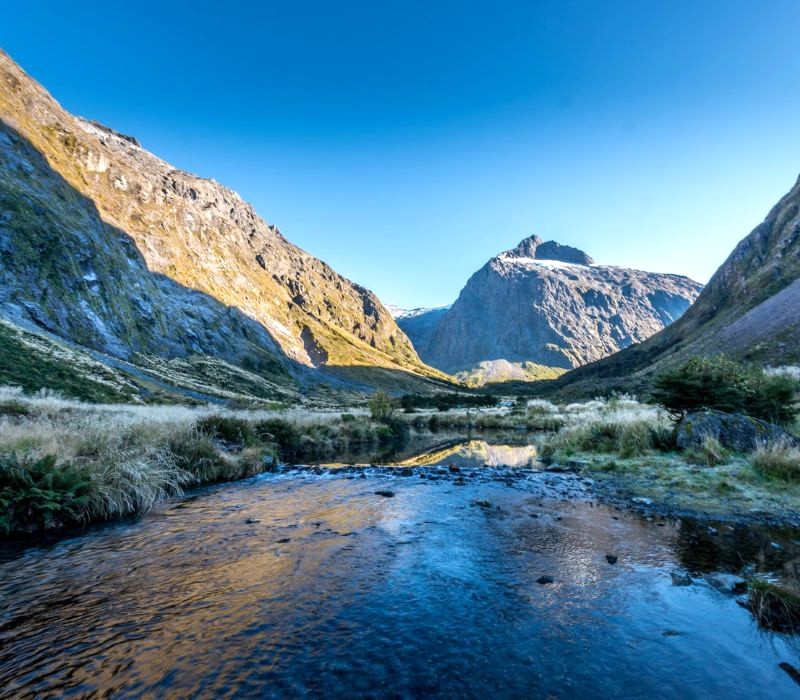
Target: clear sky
{"points": [[407, 142]]}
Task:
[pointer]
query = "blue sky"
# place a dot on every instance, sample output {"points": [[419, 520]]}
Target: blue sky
{"points": [[407, 143]]}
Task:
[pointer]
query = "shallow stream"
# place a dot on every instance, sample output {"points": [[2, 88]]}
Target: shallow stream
{"points": [[311, 584]]}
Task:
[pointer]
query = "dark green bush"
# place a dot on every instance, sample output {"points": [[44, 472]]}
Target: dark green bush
{"points": [[724, 385], [443, 402], [232, 430], [38, 494], [285, 436]]}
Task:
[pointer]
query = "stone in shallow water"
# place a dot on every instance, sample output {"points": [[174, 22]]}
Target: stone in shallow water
{"points": [[726, 583], [611, 558], [385, 494], [545, 580]]}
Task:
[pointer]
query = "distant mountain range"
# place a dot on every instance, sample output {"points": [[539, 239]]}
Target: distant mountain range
{"points": [[544, 305], [124, 278]]}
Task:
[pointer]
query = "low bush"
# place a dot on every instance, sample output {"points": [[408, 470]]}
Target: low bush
{"points": [[230, 429], [625, 438], [724, 385], [38, 494], [777, 460]]}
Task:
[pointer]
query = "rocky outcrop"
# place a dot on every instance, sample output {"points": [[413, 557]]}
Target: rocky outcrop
{"points": [[734, 431], [551, 304], [106, 245]]}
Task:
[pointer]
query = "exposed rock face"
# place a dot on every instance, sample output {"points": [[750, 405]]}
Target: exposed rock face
{"points": [[105, 244], [750, 310], [733, 431], [418, 324], [551, 304]]}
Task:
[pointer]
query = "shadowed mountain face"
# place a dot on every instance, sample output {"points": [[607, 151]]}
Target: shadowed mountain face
{"points": [[749, 310], [549, 304], [106, 245]]}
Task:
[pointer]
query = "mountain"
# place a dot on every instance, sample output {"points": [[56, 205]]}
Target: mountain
{"points": [[749, 310], [546, 304], [107, 247], [418, 324]]}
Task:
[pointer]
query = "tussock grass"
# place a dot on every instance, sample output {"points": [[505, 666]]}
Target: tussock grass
{"points": [[619, 425], [711, 454], [774, 607], [777, 460], [127, 458]]}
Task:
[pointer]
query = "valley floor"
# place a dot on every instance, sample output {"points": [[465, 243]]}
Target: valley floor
{"points": [[64, 464]]}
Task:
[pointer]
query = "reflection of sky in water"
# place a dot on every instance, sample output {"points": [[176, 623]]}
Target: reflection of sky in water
{"points": [[336, 591]]}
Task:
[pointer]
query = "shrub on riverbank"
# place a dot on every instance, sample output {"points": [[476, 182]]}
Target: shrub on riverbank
{"points": [[720, 384], [621, 426]]}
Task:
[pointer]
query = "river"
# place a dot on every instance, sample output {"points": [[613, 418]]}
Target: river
{"points": [[311, 584]]}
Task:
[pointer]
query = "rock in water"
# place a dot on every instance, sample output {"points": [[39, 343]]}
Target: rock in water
{"points": [[385, 494], [545, 580], [734, 431]]}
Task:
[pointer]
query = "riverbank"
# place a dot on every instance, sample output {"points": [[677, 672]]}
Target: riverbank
{"points": [[66, 464]]}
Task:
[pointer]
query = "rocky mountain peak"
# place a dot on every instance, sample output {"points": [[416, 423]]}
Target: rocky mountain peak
{"points": [[538, 249]]}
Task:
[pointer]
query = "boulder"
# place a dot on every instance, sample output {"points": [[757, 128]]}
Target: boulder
{"points": [[734, 431]]}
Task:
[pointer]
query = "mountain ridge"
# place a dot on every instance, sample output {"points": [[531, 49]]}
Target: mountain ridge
{"points": [[147, 251], [549, 305], [749, 310]]}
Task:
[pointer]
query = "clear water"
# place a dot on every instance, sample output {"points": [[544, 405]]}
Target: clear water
{"points": [[338, 592]]}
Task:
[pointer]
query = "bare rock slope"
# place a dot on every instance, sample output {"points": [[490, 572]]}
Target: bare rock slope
{"points": [[553, 305], [105, 245], [749, 310]]}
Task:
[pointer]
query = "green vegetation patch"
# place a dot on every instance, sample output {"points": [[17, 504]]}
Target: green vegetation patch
{"points": [[32, 368]]}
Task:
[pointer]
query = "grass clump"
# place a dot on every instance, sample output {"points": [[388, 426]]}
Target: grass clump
{"points": [[778, 460], [774, 607], [627, 439], [710, 454]]}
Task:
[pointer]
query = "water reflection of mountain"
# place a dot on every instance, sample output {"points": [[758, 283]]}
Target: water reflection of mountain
{"points": [[476, 453]]}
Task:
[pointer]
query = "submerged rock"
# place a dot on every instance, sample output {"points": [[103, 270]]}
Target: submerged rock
{"points": [[726, 583], [680, 578], [543, 580], [734, 431], [385, 494], [611, 558]]}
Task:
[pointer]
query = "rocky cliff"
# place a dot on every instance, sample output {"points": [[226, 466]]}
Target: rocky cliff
{"points": [[750, 310], [552, 305], [105, 245]]}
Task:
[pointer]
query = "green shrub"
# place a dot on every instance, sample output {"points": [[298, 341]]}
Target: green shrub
{"points": [[281, 433], [227, 428], [38, 494], [381, 406], [724, 385], [777, 460], [195, 453], [347, 418]]}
